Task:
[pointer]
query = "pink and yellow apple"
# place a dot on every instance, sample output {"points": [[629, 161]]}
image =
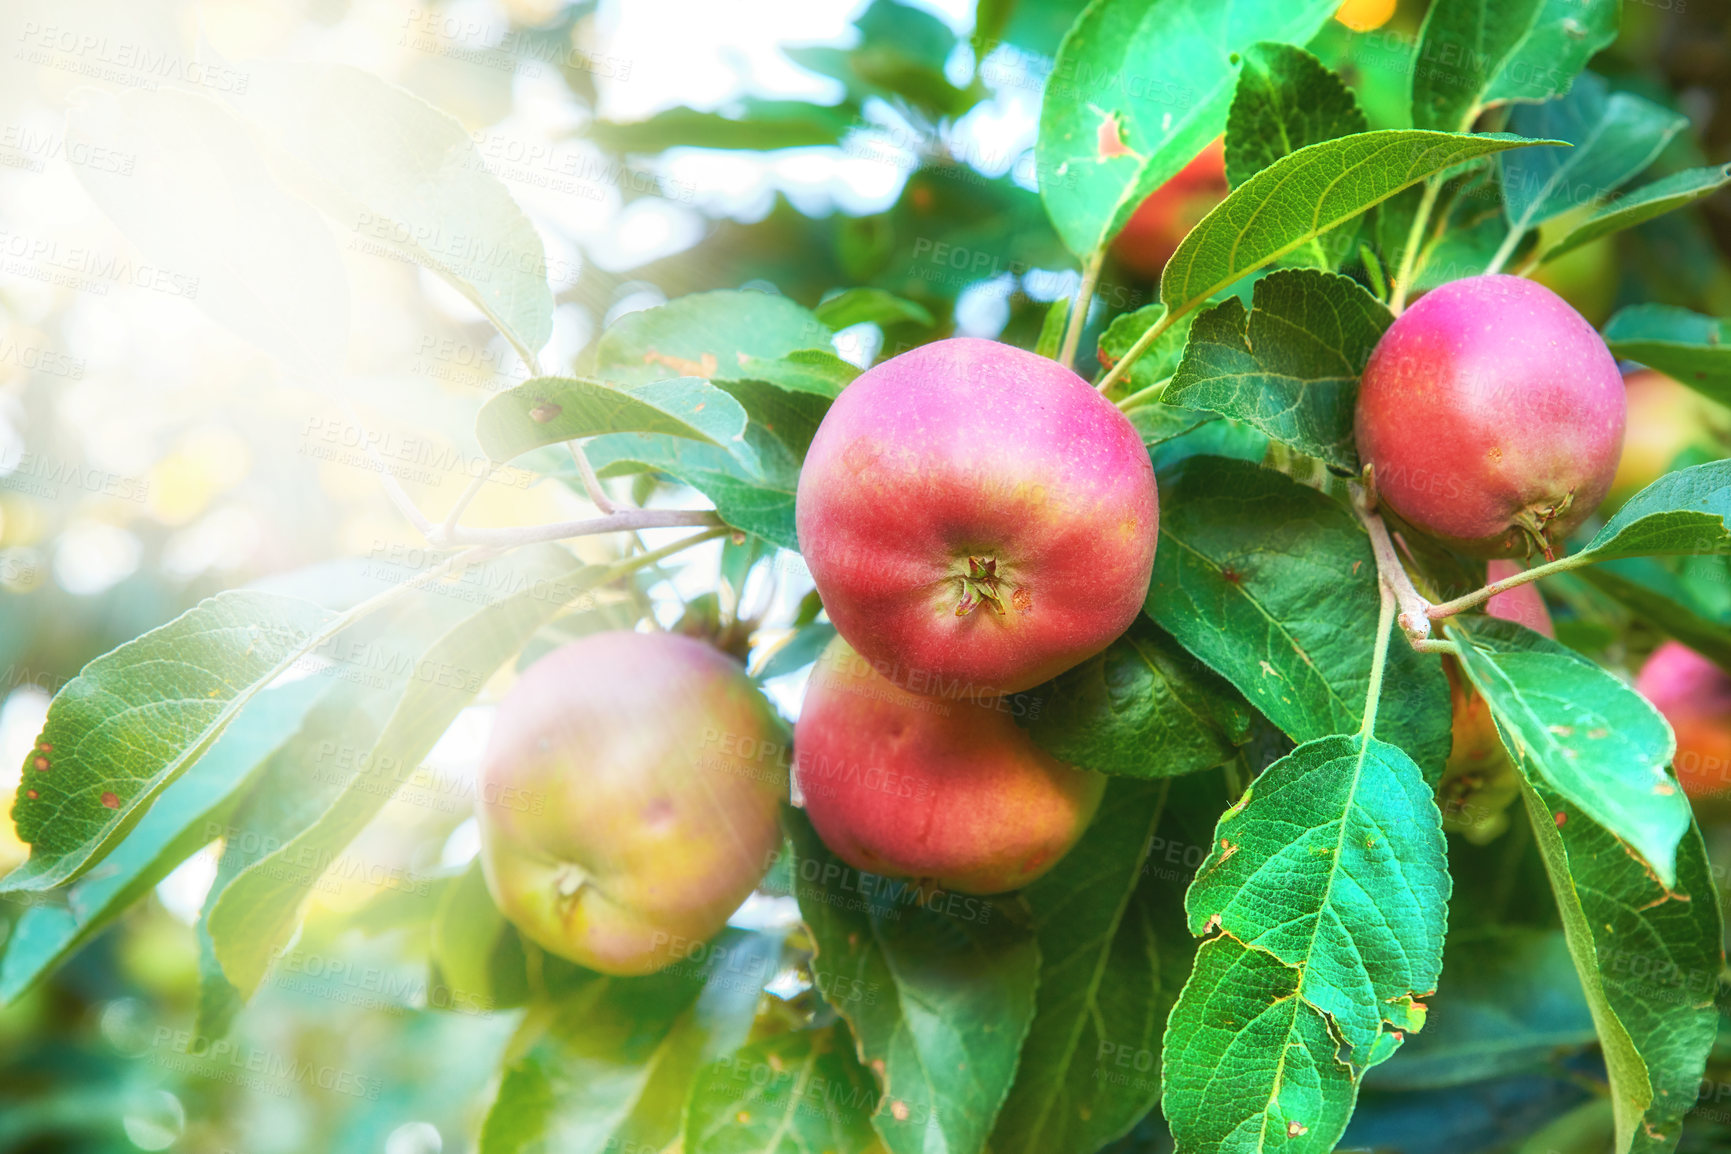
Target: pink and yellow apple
{"points": [[1153, 232], [1694, 694], [630, 798]]}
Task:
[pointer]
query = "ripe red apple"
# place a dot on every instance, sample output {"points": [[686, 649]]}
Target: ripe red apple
{"points": [[947, 790], [1479, 780], [976, 515], [1694, 694], [1153, 232], [1492, 415], [631, 797]]}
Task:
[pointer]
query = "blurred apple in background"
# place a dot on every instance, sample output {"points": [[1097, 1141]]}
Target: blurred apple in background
{"points": [[1665, 419], [1694, 694], [1586, 277], [1171, 211]]}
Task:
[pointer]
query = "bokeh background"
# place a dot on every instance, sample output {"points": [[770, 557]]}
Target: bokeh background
{"points": [[150, 455]]}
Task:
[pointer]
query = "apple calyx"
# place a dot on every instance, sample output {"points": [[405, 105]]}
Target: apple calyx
{"points": [[980, 584], [568, 883], [1533, 521]]}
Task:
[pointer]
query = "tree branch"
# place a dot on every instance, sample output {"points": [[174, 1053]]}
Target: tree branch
{"points": [[1414, 618], [622, 520], [591, 483]]}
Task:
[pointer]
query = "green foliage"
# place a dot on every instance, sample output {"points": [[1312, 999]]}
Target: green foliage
{"points": [[790, 1094], [1643, 204], [1682, 344], [937, 987], [1476, 53], [1290, 365], [1304, 195], [549, 410], [1143, 708], [1140, 86], [1273, 586]]}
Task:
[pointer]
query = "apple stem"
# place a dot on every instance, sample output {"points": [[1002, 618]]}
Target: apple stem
{"points": [[591, 483], [1414, 611], [1409, 254], [1479, 596], [1145, 396], [1142, 345], [1078, 317], [1378, 655]]}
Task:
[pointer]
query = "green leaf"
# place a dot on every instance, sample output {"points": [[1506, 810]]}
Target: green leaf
{"points": [[1643, 204], [1161, 359], [1475, 53], [858, 306], [1111, 963], [1510, 1005], [1694, 349], [131, 723], [1648, 957], [1158, 423], [793, 1094], [1288, 99], [818, 372], [1138, 89], [1290, 366], [1663, 598], [1306, 194], [1333, 862], [1682, 512], [1273, 586], [1578, 731], [1051, 339], [405, 179], [901, 57], [1143, 708], [608, 1064], [761, 125], [260, 909], [752, 502], [949, 986], [710, 335], [186, 817], [1564, 36], [548, 410], [1615, 136], [1249, 1065], [480, 958]]}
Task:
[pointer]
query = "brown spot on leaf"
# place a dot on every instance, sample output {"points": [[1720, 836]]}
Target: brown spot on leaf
{"points": [[1293, 1129], [109, 800], [1561, 818], [899, 1110], [31, 794], [704, 366], [544, 412], [41, 765], [46, 748]]}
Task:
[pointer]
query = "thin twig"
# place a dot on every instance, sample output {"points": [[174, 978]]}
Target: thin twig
{"points": [[1479, 596], [1145, 396], [623, 520], [1414, 618], [393, 489], [591, 483], [1409, 255], [1079, 308], [464, 499]]}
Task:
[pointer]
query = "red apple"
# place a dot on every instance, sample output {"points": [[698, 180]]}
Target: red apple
{"points": [[1694, 694], [947, 791], [1153, 232], [978, 517], [631, 796], [1492, 415]]}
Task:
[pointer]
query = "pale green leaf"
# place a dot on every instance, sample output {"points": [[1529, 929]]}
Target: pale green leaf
{"points": [[1641, 205]]}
